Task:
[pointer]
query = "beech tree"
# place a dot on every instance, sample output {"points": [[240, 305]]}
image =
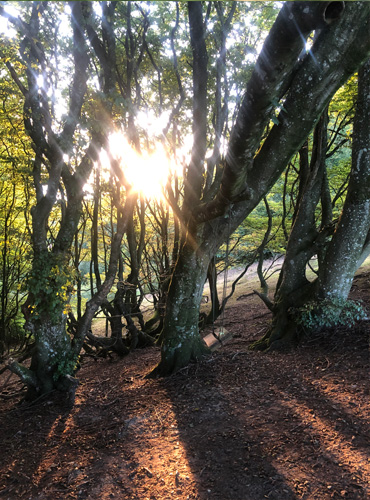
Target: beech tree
{"points": [[287, 77], [59, 182], [306, 306]]}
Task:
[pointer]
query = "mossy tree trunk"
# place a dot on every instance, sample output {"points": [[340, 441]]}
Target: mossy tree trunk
{"points": [[181, 340], [53, 359], [180, 337], [56, 181], [304, 241], [349, 246]]}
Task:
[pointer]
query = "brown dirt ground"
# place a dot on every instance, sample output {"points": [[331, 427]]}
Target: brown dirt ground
{"points": [[239, 425]]}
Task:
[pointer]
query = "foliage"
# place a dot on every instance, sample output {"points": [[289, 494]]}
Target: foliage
{"points": [[76, 74], [65, 364], [15, 197], [316, 315], [155, 91], [51, 283]]}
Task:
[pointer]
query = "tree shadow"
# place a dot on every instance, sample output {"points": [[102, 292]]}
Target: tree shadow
{"points": [[226, 459], [329, 435], [233, 427], [276, 437], [24, 426]]}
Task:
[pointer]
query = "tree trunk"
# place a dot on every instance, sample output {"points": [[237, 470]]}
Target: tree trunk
{"points": [[215, 301], [53, 359], [292, 287], [345, 250], [250, 170], [181, 340], [180, 335]]}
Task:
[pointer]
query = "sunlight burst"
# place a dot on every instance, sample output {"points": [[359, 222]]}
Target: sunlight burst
{"points": [[146, 172]]}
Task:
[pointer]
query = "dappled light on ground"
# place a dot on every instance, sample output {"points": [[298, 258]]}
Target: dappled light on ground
{"points": [[238, 426], [332, 441]]}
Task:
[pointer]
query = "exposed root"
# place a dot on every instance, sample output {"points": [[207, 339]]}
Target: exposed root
{"points": [[178, 360], [27, 376], [265, 299]]}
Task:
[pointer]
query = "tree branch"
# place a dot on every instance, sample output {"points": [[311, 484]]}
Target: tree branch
{"points": [[270, 80]]}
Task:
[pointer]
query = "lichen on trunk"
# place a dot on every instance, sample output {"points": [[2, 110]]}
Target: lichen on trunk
{"points": [[54, 357], [54, 361]]}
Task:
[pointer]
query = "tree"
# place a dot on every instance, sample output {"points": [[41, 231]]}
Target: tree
{"points": [[14, 206], [309, 306], [59, 187], [66, 149], [301, 86]]}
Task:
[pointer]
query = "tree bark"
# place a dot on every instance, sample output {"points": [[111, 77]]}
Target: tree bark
{"points": [[181, 340], [180, 337], [56, 353], [292, 286], [345, 252]]}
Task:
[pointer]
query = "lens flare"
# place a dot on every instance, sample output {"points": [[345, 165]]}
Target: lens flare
{"points": [[146, 172]]}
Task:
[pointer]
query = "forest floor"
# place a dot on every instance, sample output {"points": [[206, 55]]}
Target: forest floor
{"points": [[238, 425]]}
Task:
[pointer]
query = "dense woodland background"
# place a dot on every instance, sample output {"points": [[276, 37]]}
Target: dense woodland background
{"points": [[252, 117]]}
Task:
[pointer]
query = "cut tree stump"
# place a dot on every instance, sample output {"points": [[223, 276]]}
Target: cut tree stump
{"points": [[214, 343]]}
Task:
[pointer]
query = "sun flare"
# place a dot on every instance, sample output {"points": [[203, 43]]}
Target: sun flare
{"points": [[146, 172]]}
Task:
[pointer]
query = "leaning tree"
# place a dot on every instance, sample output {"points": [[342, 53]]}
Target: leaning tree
{"points": [[60, 172], [303, 306], [298, 83]]}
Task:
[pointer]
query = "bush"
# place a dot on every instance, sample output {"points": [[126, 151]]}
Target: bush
{"points": [[327, 313]]}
